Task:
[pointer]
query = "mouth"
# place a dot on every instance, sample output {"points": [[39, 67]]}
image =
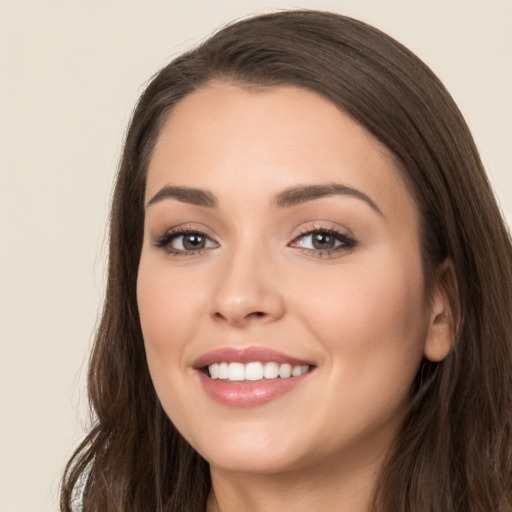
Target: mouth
{"points": [[251, 376]]}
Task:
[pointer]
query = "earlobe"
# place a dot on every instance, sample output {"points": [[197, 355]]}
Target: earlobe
{"points": [[444, 313]]}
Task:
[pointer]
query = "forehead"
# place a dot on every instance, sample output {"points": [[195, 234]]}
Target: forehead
{"points": [[258, 140]]}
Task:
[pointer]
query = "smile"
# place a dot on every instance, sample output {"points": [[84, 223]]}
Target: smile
{"points": [[250, 376], [255, 371]]}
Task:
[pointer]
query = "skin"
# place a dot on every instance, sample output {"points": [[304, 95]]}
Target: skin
{"points": [[359, 314]]}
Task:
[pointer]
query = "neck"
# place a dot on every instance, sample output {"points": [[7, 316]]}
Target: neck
{"points": [[312, 489]]}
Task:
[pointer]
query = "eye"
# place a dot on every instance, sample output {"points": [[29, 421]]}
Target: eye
{"points": [[181, 242], [324, 241]]}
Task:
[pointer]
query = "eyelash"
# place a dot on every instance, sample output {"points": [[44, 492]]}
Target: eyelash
{"points": [[346, 243], [164, 242]]}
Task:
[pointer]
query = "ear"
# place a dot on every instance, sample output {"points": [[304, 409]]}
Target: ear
{"points": [[444, 313]]}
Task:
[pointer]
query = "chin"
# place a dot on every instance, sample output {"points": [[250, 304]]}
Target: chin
{"points": [[261, 462], [260, 451]]}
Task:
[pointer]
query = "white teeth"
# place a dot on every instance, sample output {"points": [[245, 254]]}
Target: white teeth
{"points": [[296, 371], [236, 371], [255, 371], [271, 371], [285, 371], [223, 371], [214, 370]]}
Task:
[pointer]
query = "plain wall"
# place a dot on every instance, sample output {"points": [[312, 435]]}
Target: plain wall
{"points": [[70, 73]]}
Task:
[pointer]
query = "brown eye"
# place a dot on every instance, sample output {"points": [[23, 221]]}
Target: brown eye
{"points": [[192, 242], [323, 241], [185, 242], [188, 242]]}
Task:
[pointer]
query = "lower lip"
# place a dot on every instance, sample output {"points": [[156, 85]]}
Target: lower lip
{"points": [[247, 393]]}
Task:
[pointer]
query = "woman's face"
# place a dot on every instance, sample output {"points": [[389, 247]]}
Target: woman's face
{"points": [[279, 237]]}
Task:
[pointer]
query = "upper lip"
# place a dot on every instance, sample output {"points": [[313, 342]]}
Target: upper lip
{"points": [[246, 355]]}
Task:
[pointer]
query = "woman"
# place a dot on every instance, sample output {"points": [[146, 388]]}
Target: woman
{"points": [[309, 288]]}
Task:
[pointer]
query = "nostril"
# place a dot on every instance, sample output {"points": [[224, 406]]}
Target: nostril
{"points": [[254, 314]]}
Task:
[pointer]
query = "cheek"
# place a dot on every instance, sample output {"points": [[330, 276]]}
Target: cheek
{"points": [[371, 319], [168, 310], [164, 302]]}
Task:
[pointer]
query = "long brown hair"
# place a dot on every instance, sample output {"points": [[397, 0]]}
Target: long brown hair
{"points": [[454, 450]]}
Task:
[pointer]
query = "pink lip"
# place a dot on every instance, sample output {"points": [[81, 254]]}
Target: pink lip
{"points": [[247, 394]]}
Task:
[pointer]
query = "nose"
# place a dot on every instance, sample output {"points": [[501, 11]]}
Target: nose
{"points": [[247, 290]]}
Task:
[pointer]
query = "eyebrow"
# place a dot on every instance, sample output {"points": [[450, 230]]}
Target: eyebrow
{"points": [[301, 194], [287, 198], [188, 195]]}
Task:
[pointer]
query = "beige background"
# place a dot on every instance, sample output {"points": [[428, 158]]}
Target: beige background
{"points": [[70, 73]]}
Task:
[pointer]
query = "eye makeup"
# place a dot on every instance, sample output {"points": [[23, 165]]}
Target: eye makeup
{"points": [[320, 241]]}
